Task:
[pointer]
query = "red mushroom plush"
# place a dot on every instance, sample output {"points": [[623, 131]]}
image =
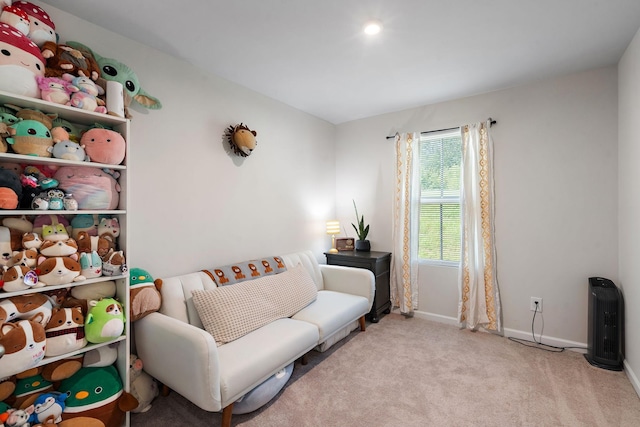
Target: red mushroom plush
{"points": [[41, 27], [20, 63], [15, 17]]}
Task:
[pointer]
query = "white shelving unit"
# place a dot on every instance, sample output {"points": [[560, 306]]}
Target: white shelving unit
{"points": [[84, 118]]}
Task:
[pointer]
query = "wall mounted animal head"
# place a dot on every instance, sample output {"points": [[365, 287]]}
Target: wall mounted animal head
{"points": [[241, 139]]}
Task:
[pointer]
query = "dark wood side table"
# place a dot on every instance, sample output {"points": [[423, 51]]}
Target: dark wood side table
{"points": [[377, 262]]}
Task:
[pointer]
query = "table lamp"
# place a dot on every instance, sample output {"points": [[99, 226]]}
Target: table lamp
{"points": [[333, 228]]}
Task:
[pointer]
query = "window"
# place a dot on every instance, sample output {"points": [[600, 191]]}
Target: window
{"points": [[440, 158]]}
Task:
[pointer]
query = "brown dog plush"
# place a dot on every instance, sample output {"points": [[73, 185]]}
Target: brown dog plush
{"points": [[24, 343]]}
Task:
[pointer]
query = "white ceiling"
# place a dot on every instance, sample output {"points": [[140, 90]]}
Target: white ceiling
{"points": [[312, 54]]}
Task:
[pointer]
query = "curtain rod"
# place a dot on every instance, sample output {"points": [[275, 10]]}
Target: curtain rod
{"points": [[490, 120]]}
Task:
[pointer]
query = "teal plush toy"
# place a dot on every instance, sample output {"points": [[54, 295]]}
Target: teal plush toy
{"points": [[104, 321], [114, 70]]}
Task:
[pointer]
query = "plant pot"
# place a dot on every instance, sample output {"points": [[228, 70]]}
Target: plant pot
{"points": [[363, 246]]}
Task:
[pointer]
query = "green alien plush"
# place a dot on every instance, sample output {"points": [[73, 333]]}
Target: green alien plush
{"points": [[104, 321], [30, 137]]}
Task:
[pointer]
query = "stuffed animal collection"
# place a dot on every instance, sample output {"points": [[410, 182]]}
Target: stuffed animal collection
{"points": [[33, 133], [37, 66], [84, 397], [41, 252]]}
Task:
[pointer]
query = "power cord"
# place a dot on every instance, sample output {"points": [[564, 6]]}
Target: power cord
{"points": [[538, 344]]}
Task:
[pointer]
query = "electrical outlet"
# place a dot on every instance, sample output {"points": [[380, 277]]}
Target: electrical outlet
{"points": [[536, 301]]}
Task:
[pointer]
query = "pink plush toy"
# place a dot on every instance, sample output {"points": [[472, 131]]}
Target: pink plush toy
{"points": [[85, 93], [104, 146], [21, 63], [55, 90], [41, 27], [15, 17]]}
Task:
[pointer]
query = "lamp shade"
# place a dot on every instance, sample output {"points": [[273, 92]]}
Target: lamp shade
{"points": [[333, 227]]}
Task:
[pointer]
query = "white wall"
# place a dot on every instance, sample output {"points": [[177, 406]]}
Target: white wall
{"points": [[556, 193], [193, 205], [629, 201]]}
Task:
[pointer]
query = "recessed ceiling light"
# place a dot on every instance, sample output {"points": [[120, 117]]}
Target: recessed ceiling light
{"points": [[372, 27]]}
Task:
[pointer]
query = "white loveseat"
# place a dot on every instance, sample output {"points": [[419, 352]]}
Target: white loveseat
{"points": [[181, 354]]}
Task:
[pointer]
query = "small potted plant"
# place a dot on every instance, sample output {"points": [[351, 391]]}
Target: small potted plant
{"points": [[362, 244]]}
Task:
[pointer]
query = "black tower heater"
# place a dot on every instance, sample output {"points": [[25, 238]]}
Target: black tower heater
{"points": [[606, 315]]}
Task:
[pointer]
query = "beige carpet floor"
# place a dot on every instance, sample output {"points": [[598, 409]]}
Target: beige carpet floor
{"points": [[414, 372]]}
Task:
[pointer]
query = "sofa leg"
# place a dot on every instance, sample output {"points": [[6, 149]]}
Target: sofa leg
{"points": [[226, 416], [304, 359], [362, 325]]}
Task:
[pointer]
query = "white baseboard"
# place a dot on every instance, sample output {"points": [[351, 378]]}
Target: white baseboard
{"points": [[558, 342], [632, 377]]}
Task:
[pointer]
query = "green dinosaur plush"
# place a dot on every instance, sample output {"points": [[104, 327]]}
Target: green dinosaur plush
{"points": [[114, 70]]}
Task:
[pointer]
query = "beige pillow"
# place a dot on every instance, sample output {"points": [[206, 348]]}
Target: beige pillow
{"points": [[230, 312]]}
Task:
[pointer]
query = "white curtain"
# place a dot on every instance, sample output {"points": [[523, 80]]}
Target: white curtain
{"points": [[479, 303], [404, 265]]}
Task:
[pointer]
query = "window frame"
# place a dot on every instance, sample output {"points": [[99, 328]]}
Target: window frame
{"points": [[442, 200]]}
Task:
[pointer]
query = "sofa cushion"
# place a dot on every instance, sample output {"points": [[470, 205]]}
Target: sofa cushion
{"points": [[331, 311], [247, 270], [229, 312]]}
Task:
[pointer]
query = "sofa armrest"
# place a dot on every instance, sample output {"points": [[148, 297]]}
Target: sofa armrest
{"points": [[349, 280], [182, 357]]}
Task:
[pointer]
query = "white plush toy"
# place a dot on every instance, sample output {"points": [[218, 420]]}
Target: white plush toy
{"points": [[143, 386]]}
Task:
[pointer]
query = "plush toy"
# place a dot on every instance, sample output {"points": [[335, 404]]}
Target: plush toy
{"points": [[102, 356], [143, 387], [91, 187], [33, 114], [5, 246], [109, 225], [31, 241], [90, 264], [30, 137], [100, 244], [95, 291], [24, 344], [73, 131], [25, 257], [105, 320], [85, 94], [19, 417], [63, 368], [85, 222], [17, 226], [48, 406], [69, 150], [50, 219], [19, 278], [63, 247], [144, 294], [10, 189], [24, 307], [41, 27], [21, 63], [114, 264], [241, 139], [29, 386], [104, 145], [54, 232], [15, 17], [62, 59], [65, 331], [59, 270], [116, 71], [97, 393], [55, 89]]}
